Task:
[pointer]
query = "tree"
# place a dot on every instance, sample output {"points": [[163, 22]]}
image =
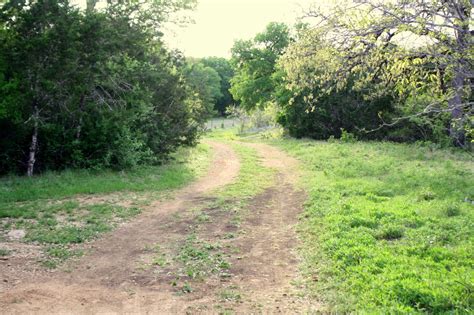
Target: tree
{"points": [[414, 46], [254, 64], [204, 82], [40, 47], [224, 69], [90, 89]]}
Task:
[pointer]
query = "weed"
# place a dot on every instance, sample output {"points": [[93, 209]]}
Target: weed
{"points": [[55, 255], [187, 288], [200, 259], [391, 232], [427, 195], [236, 221], [452, 211], [159, 257], [203, 218], [230, 295], [347, 136], [4, 252], [229, 236]]}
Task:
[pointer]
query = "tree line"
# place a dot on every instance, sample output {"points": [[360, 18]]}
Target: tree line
{"points": [[391, 70], [95, 88]]}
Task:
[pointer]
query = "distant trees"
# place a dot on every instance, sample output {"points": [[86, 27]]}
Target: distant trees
{"points": [[223, 67], [204, 82], [210, 78], [94, 88], [254, 62]]}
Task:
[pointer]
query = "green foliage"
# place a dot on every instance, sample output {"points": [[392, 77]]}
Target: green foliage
{"points": [[386, 228], [223, 68], [99, 218], [55, 255], [347, 137], [200, 259], [381, 70], [230, 295], [100, 88], [253, 84], [304, 115], [205, 83]]}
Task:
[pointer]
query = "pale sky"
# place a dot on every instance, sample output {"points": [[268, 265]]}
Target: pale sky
{"points": [[218, 23]]}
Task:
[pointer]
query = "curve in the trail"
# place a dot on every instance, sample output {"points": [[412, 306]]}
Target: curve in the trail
{"points": [[99, 281]]}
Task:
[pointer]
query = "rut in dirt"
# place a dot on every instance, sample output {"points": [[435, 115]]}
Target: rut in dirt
{"points": [[261, 272]]}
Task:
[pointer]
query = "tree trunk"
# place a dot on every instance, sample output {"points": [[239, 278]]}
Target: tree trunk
{"points": [[463, 39], [34, 142], [91, 5], [456, 130], [81, 111]]}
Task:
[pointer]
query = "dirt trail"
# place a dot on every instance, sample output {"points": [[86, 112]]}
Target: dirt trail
{"points": [[266, 271], [109, 280], [271, 242]]}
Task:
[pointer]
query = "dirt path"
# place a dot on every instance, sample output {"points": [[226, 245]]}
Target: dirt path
{"points": [[265, 274], [118, 276], [271, 243]]}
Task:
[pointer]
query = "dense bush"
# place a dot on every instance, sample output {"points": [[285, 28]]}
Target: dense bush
{"points": [[332, 113], [379, 70], [90, 88], [375, 67]]}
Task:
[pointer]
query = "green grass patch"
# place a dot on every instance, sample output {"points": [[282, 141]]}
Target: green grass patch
{"points": [[57, 254], [253, 177], [36, 209], [78, 226], [185, 166], [223, 134], [230, 294], [159, 257], [38, 206], [199, 259], [386, 227]]}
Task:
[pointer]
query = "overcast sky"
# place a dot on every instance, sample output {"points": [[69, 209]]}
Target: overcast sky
{"points": [[218, 23]]}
